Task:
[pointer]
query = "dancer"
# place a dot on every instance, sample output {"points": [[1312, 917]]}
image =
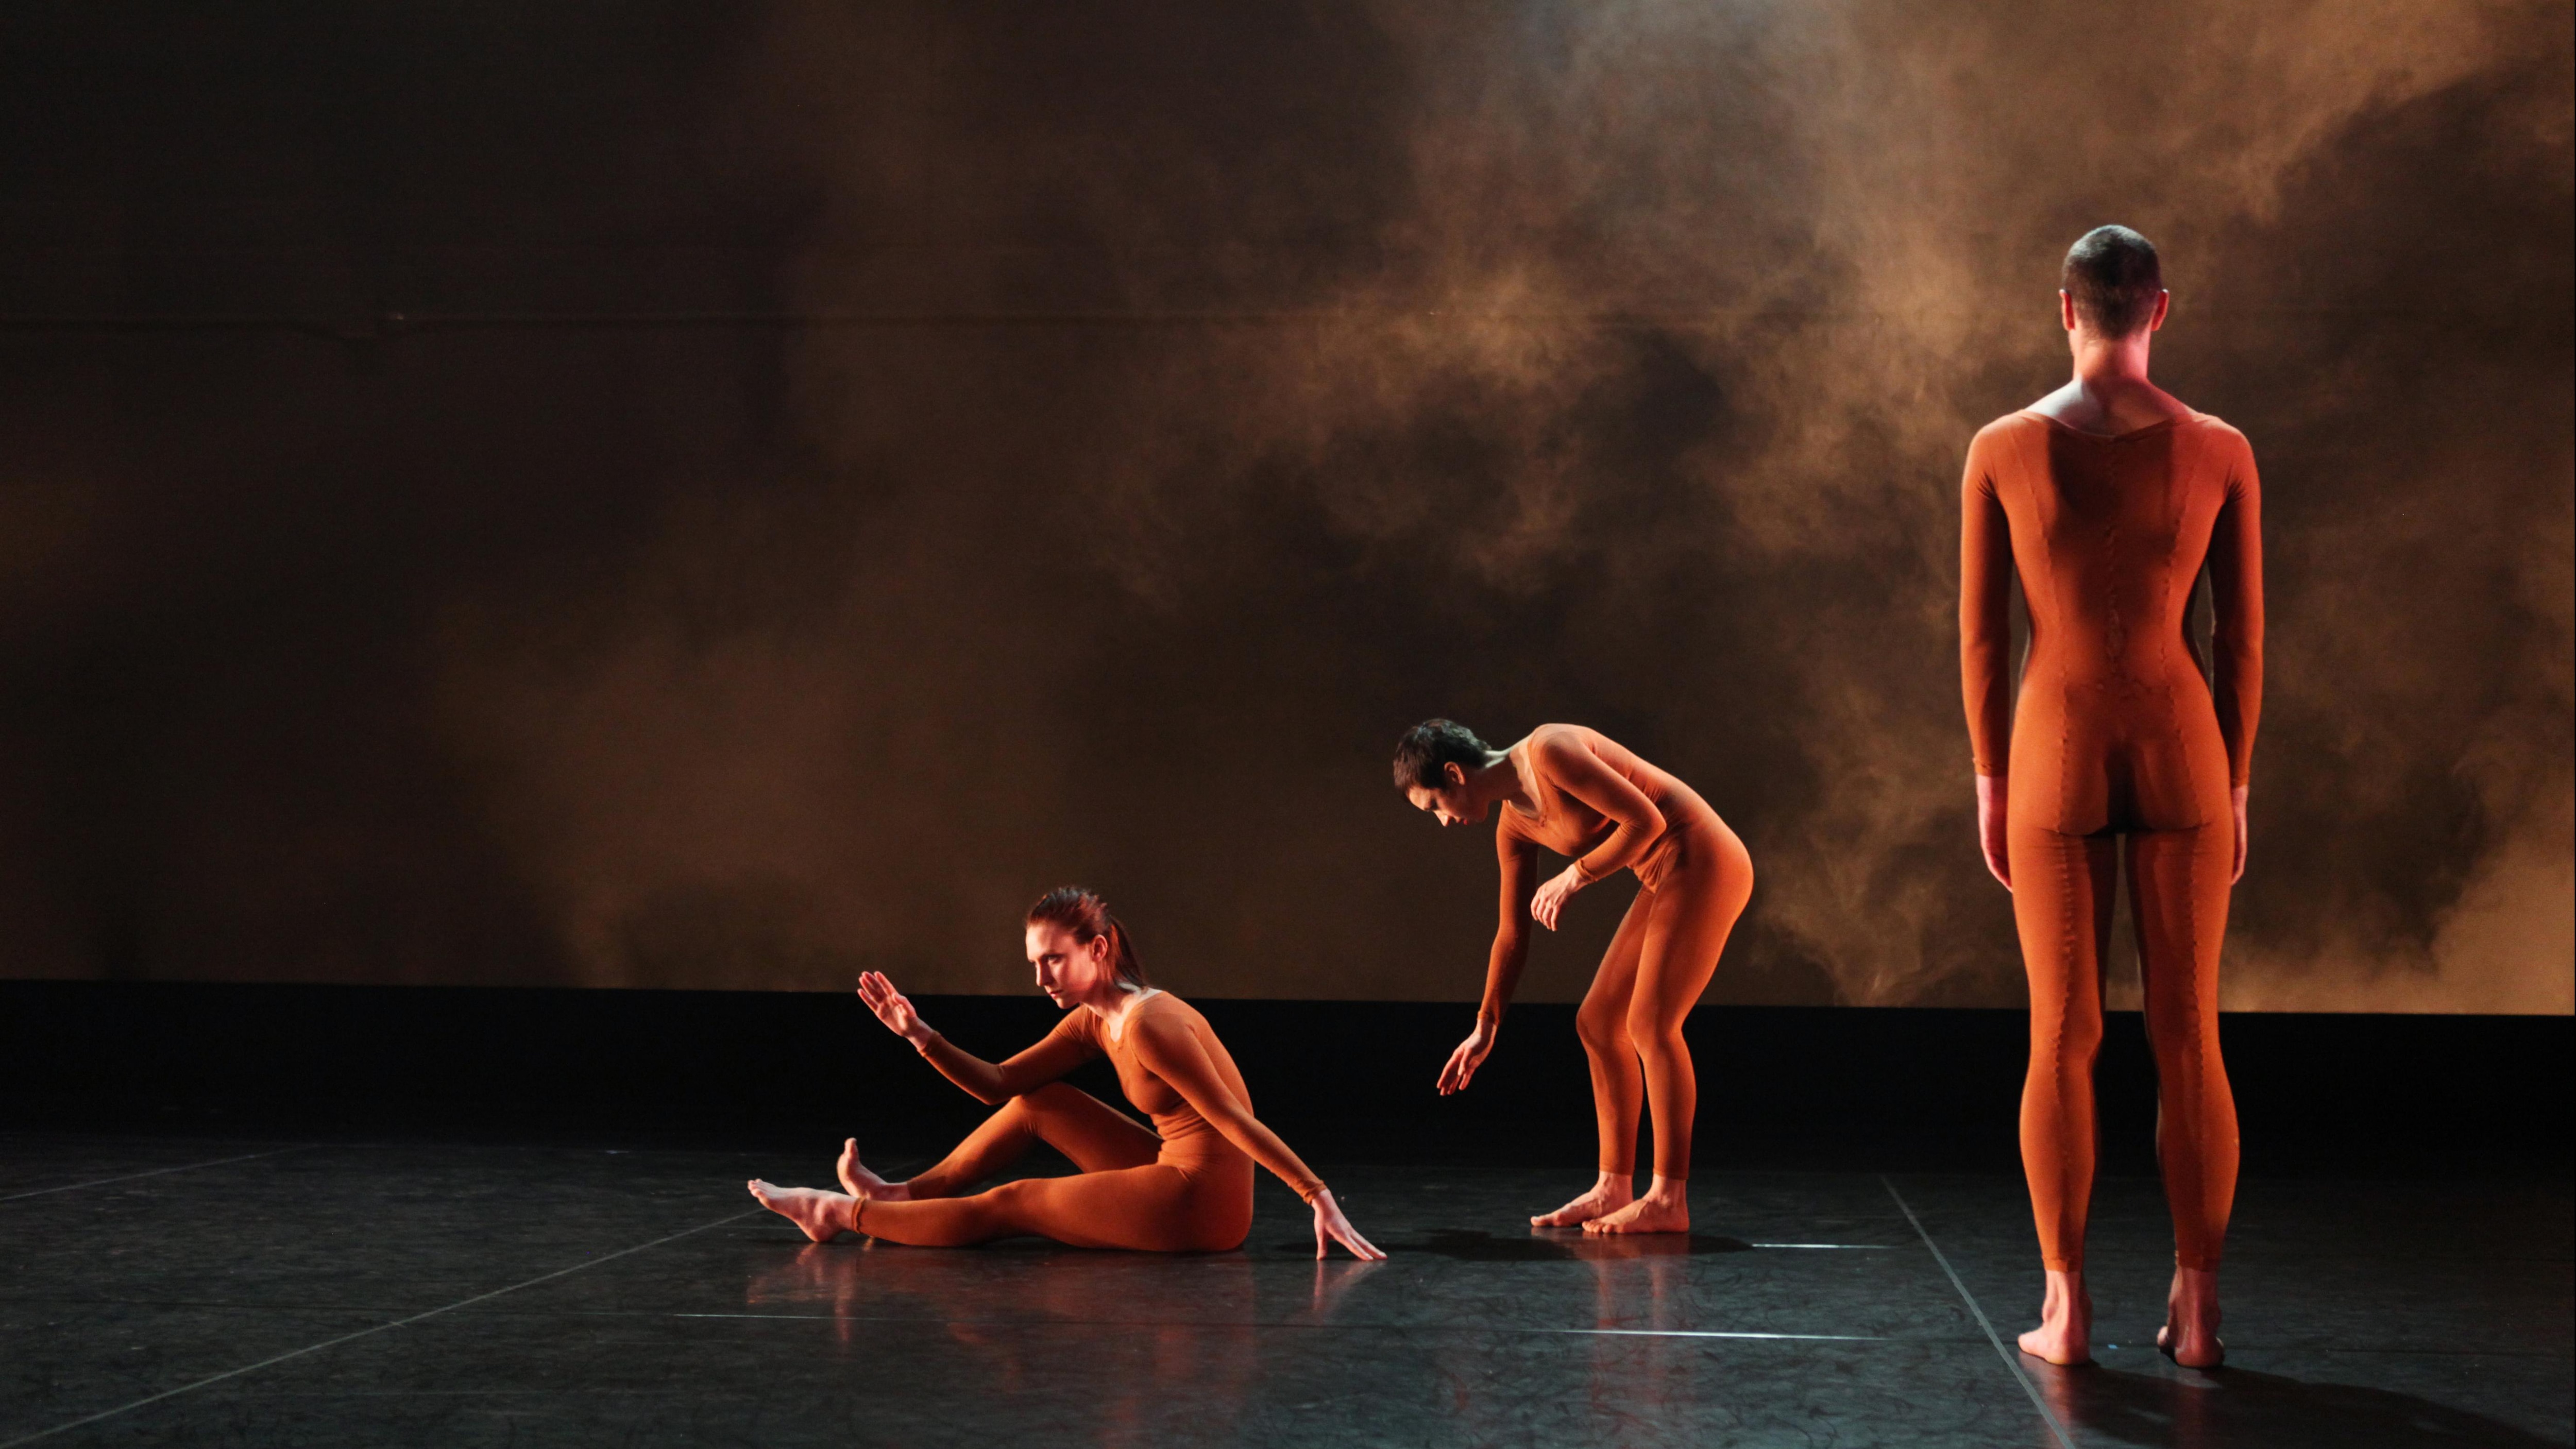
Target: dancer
{"points": [[2108, 495], [1184, 1186], [1580, 794]]}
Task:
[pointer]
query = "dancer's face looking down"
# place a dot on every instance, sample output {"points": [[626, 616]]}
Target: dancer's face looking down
{"points": [[1453, 803], [1070, 971]]}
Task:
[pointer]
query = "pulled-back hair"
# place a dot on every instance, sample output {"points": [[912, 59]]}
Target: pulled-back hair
{"points": [[1083, 913], [1431, 744], [2112, 274]]}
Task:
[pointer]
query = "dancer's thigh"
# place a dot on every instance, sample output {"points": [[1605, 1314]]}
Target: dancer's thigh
{"points": [[1685, 933], [1096, 1136], [1604, 1013], [2062, 890], [2178, 896], [1146, 1209]]}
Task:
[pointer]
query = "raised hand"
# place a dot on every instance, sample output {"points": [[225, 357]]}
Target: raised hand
{"points": [[892, 1007], [1331, 1227], [1470, 1055], [1552, 896]]}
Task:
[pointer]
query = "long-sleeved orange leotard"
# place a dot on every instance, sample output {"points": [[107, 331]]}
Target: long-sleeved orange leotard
{"points": [[1611, 811], [1185, 1186], [2116, 733]]}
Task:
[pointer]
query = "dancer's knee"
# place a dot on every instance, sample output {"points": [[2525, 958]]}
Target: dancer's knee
{"points": [[1602, 1027], [1054, 1097], [1655, 1038]]}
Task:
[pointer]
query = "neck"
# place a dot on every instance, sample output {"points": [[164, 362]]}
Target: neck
{"points": [[2114, 364], [1499, 780], [1109, 998]]}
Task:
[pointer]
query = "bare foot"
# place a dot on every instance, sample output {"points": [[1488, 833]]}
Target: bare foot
{"points": [[860, 1182], [2065, 1332], [2190, 1335], [823, 1215], [1664, 1209], [1611, 1193]]}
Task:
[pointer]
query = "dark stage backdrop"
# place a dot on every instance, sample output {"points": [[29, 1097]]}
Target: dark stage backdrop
{"points": [[727, 496]]}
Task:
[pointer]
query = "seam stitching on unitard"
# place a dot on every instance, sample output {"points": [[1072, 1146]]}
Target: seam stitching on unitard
{"points": [[234, 1373], [156, 1172], [2046, 1415]]}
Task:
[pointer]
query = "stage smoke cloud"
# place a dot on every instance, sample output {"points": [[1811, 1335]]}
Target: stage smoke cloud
{"points": [[1196, 399]]}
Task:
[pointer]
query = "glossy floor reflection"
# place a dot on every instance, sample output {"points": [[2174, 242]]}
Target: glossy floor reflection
{"points": [[194, 1292]]}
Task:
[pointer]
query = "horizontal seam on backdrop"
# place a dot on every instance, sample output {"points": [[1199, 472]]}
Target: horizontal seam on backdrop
{"points": [[156, 1172], [386, 325], [2046, 1415], [361, 1333]]}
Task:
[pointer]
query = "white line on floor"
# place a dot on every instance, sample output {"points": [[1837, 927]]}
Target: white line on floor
{"points": [[1343, 1327], [1702, 1333], [156, 1172], [2006, 1354], [364, 1332], [1847, 1247]]}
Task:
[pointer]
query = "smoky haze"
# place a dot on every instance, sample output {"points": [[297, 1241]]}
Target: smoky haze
{"points": [[663, 498]]}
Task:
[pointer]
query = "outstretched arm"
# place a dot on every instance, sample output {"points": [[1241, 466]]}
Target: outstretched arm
{"points": [[1172, 1051], [1058, 1052], [1517, 862]]}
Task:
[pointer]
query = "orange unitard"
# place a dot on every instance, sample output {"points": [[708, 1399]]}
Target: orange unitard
{"points": [[1611, 811], [1185, 1186], [2115, 733]]}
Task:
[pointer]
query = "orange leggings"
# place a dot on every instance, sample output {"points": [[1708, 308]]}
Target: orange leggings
{"points": [[1126, 1194], [1660, 961], [2062, 895]]}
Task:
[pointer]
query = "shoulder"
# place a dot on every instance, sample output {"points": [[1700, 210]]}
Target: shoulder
{"points": [[1079, 1024], [1164, 1012], [2020, 422], [1998, 440], [1162, 1022], [2211, 425], [2222, 443], [1561, 741]]}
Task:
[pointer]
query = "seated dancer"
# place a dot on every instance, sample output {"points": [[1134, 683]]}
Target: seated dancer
{"points": [[2107, 496], [1184, 1186], [1580, 794]]}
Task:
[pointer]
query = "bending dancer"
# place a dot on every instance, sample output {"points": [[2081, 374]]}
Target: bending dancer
{"points": [[1581, 794], [1185, 1186], [2107, 495]]}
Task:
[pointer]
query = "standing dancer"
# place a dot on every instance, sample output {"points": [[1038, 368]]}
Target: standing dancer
{"points": [[1580, 794], [1185, 1186], [2107, 495]]}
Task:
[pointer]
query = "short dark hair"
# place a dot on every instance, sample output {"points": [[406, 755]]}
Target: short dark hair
{"points": [[2112, 274], [1428, 746]]}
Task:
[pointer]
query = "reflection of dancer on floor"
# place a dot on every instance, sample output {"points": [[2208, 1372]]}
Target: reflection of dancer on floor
{"points": [[2107, 495], [1185, 1186], [1580, 794]]}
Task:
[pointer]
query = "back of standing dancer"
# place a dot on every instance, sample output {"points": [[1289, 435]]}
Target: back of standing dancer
{"points": [[2107, 496]]}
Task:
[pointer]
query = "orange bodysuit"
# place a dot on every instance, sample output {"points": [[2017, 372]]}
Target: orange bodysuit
{"points": [[2116, 733], [1611, 811], [1185, 1186]]}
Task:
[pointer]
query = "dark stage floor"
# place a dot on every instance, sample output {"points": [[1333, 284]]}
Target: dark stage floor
{"points": [[190, 1291]]}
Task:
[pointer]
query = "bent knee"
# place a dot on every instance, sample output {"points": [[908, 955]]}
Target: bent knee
{"points": [[1601, 1029], [1053, 1097]]}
